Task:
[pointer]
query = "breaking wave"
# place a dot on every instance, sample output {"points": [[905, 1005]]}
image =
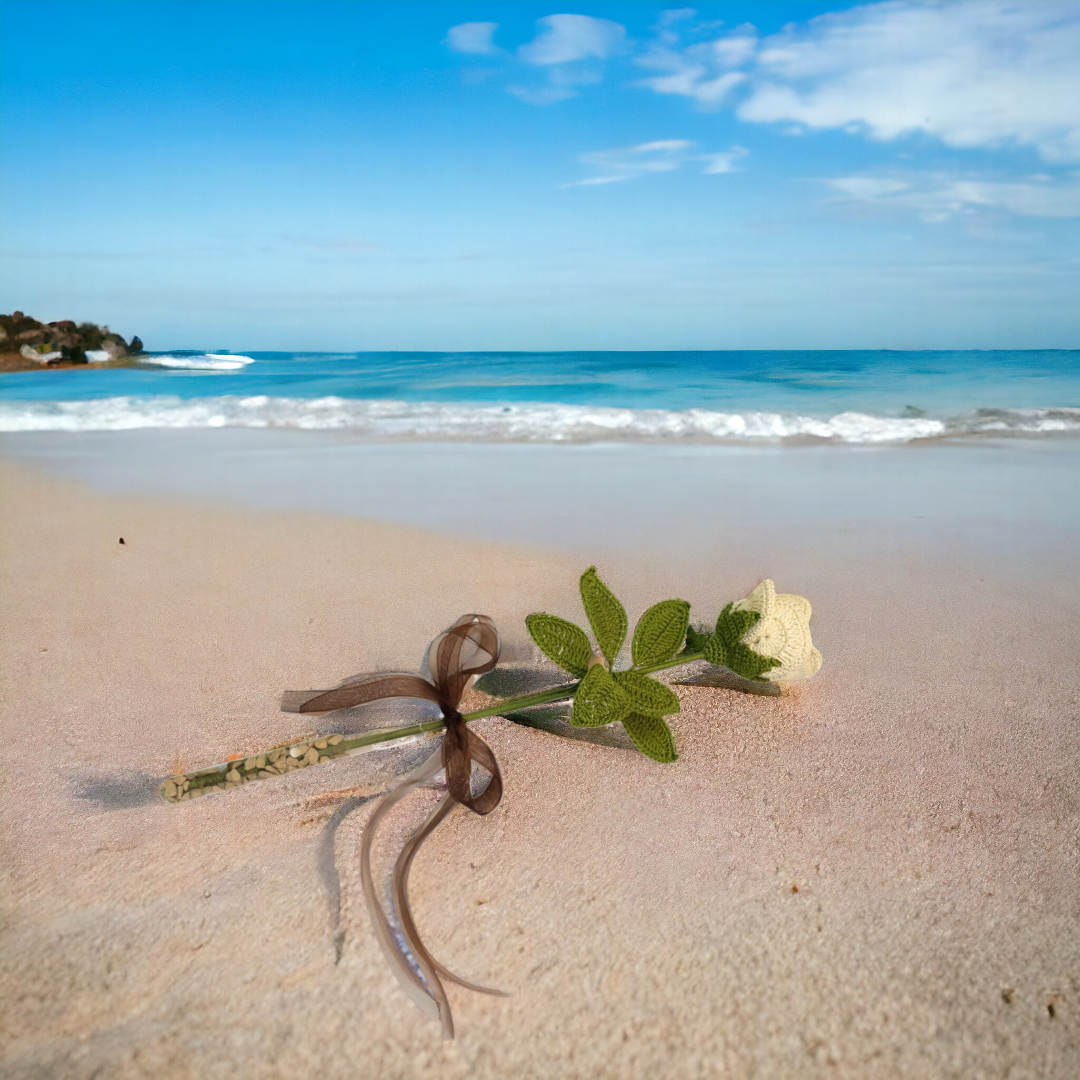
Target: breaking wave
{"points": [[514, 423], [197, 361]]}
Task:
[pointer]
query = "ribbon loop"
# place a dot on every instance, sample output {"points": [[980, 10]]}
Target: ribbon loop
{"points": [[359, 691], [460, 748], [468, 649]]}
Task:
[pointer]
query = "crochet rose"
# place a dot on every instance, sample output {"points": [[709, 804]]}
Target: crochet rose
{"points": [[782, 632]]}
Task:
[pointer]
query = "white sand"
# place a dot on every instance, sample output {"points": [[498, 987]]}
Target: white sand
{"points": [[875, 875]]}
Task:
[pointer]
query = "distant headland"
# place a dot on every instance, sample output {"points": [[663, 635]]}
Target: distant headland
{"points": [[26, 344]]}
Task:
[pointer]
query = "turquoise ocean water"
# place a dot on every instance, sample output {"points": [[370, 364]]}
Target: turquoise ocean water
{"points": [[703, 397]]}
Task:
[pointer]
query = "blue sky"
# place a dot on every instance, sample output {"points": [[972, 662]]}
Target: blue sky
{"points": [[447, 175]]}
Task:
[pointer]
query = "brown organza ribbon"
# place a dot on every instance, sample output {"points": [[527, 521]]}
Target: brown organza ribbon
{"points": [[468, 649]]}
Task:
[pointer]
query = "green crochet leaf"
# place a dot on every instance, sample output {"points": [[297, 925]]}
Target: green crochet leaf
{"points": [[696, 636], [747, 663], [561, 641], [607, 617], [598, 700], [660, 632], [647, 696], [651, 736], [726, 650], [715, 651], [731, 625]]}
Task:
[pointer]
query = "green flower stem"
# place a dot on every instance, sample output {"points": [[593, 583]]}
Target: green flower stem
{"points": [[506, 705], [258, 766], [682, 658], [545, 697]]}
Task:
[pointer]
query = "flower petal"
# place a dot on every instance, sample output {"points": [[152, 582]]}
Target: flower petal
{"points": [[761, 600]]}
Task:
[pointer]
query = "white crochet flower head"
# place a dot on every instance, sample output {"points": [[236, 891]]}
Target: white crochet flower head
{"points": [[782, 632]]}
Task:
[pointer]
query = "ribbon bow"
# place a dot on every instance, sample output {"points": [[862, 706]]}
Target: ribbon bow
{"points": [[468, 649]]}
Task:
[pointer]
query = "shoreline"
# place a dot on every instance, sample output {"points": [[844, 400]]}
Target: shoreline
{"points": [[872, 875], [393, 420], [604, 499]]}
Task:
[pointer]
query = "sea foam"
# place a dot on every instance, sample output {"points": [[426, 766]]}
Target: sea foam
{"points": [[198, 362], [383, 419]]}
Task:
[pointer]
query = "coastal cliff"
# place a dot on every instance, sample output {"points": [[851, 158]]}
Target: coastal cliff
{"points": [[26, 344]]}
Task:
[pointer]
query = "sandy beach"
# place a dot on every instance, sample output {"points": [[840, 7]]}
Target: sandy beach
{"points": [[332, 329], [874, 875]]}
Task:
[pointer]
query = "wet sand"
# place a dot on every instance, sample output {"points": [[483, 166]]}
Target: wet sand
{"points": [[875, 875]]}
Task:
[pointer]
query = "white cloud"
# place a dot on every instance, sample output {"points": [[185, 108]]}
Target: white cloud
{"points": [[570, 49], [935, 198], [972, 73], [473, 38], [735, 49], [663, 155], [594, 180], [692, 83], [724, 163], [867, 188], [674, 15], [660, 156], [567, 38], [541, 95], [703, 71]]}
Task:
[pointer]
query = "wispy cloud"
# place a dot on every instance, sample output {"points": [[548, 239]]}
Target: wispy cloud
{"points": [[473, 38], [972, 73], [544, 94], [571, 49], [695, 82], [592, 181], [566, 38], [568, 50], [661, 156], [703, 71], [674, 15], [724, 162], [935, 198]]}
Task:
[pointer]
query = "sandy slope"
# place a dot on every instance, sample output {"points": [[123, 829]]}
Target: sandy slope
{"points": [[875, 875]]}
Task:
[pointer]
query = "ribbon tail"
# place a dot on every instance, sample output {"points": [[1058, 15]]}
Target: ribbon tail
{"points": [[404, 912], [410, 981], [408, 927]]}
